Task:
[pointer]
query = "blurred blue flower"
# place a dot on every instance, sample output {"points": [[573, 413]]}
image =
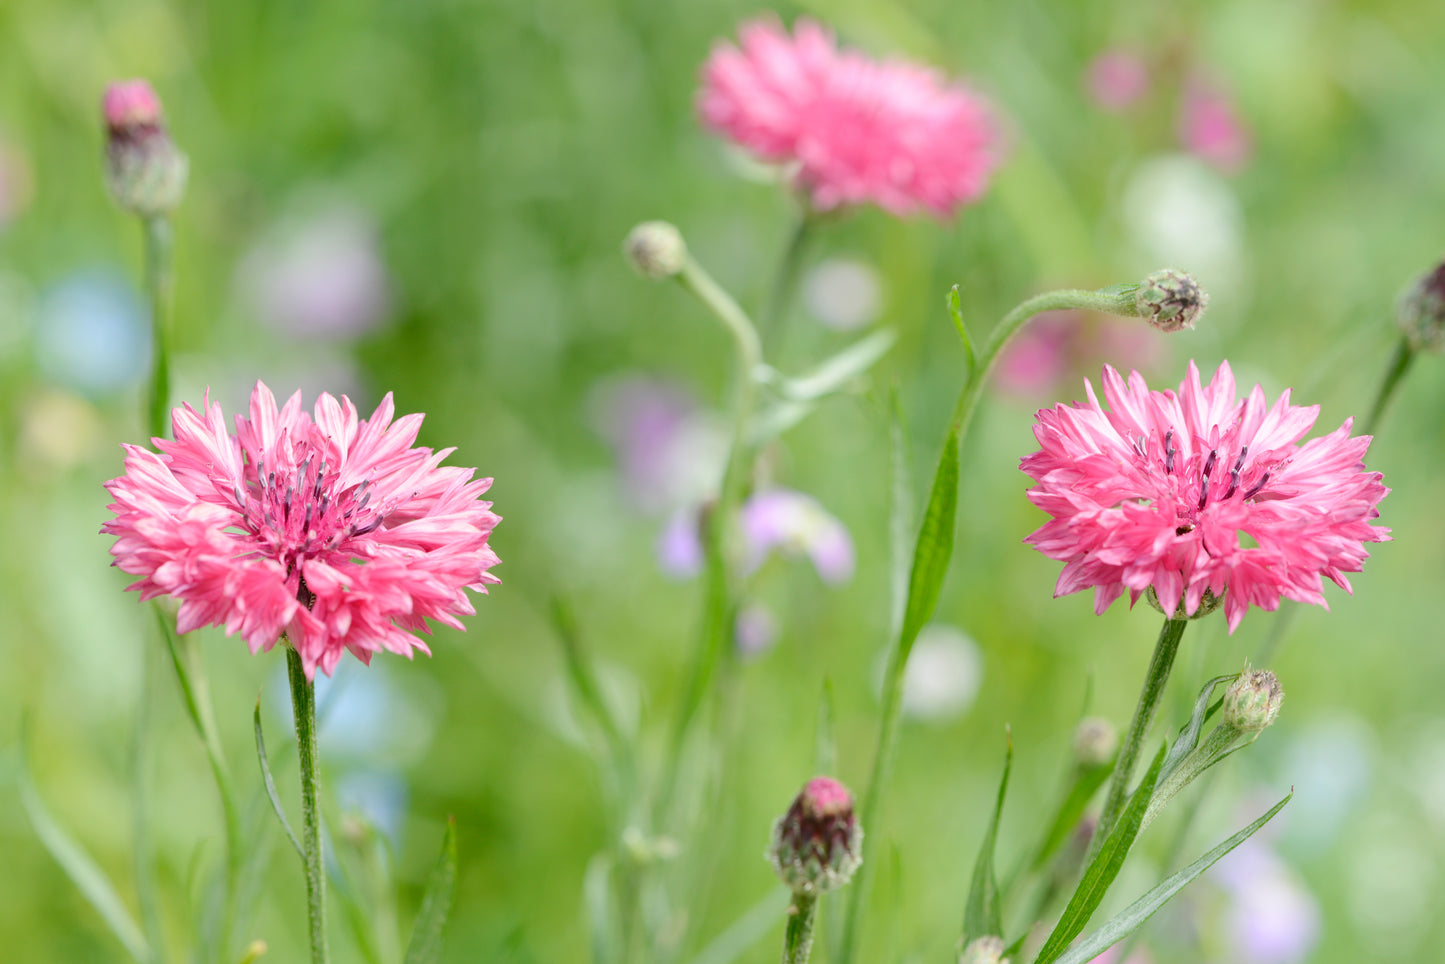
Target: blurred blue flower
{"points": [[92, 333], [380, 796]]}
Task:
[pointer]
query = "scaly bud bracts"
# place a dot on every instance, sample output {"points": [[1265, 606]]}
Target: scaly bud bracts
{"points": [[817, 844], [145, 171], [1170, 300], [1421, 312], [1252, 701]]}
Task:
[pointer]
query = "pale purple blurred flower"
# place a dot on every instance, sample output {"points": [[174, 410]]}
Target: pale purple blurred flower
{"points": [[319, 277], [670, 451], [1210, 127], [793, 523], [1117, 79], [1059, 346], [778, 520], [1272, 918], [755, 631]]}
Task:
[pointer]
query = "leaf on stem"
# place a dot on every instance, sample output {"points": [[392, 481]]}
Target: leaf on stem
{"points": [[982, 916], [583, 675], [1087, 781], [426, 934], [834, 373], [1133, 916], [1189, 736], [270, 783], [78, 865], [900, 513], [955, 311], [933, 549], [1105, 868]]}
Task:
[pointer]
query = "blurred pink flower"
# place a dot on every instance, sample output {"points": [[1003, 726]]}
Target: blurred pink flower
{"points": [[1157, 492], [337, 532], [1117, 79], [892, 133], [1210, 127], [778, 520], [1056, 345]]}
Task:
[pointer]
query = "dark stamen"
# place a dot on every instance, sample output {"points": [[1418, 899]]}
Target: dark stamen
{"points": [[1257, 486], [1204, 492], [1234, 473], [371, 526], [1209, 462], [1169, 452]]}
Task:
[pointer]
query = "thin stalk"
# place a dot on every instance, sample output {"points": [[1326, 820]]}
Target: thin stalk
{"points": [[1118, 301], [303, 705], [158, 275], [720, 531], [773, 321], [798, 938], [147, 888], [1149, 696], [1394, 374]]}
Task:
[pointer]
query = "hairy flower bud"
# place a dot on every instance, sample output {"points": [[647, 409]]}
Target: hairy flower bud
{"points": [[1208, 603], [1252, 701], [656, 249], [1170, 300], [145, 171], [1421, 311], [817, 844], [1095, 741], [985, 950]]}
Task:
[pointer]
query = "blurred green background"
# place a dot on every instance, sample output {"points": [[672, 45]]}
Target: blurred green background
{"points": [[429, 198]]}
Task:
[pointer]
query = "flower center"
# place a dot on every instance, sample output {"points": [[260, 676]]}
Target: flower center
{"points": [[1211, 478], [297, 511]]}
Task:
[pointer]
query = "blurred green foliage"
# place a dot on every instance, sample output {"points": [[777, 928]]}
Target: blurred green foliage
{"points": [[503, 151]]}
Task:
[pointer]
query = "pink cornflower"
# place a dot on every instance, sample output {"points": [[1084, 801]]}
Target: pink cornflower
{"points": [[1210, 127], [337, 532], [1168, 491], [1117, 80], [892, 133]]}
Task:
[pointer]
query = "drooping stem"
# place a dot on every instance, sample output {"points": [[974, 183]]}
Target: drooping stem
{"points": [[720, 528], [158, 259], [1150, 694], [1394, 374], [303, 705], [798, 938], [1119, 301]]}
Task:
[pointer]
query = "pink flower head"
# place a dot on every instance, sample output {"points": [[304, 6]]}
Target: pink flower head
{"points": [[1117, 79], [893, 133], [1210, 127], [1166, 490], [335, 531], [130, 104]]}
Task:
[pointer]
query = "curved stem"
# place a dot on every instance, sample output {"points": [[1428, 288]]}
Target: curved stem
{"points": [[1394, 374], [303, 705], [1148, 707], [798, 938]]}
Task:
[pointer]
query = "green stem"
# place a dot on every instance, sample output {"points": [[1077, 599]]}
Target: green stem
{"points": [[1394, 374], [1144, 713], [798, 939], [145, 860], [1221, 741], [720, 531], [303, 705], [197, 693], [1118, 301], [773, 321], [158, 260]]}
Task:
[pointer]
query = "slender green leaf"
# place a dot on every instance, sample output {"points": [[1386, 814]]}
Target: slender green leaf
{"points": [[900, 514], [836, 372], [744, 933], [270, 782], [1100, 874], [933, 549], [955, 310], [825, 754], [583, 674], [1189, 736], [1133, 916], [436, 904], [77, 864], [1086, 782], [602, 911], [982, 915]]}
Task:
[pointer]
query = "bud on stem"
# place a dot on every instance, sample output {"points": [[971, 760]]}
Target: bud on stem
{"points": [[145, 171]]}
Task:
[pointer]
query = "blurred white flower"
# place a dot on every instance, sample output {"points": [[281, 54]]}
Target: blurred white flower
{"points": [[943, 676], [843, 293], [1180, 211], [1329, 762]]}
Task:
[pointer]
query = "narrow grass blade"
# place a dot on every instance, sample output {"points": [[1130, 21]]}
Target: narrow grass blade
{"points": [[78, 865], [1133, 916], [1087, 781], [933, 550], [982, 915], [955, 311], [270, 783], [426, 934], [1100, 874], [900, 514]]}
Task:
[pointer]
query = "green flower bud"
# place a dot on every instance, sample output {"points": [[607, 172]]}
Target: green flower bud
{"points": [[1421, 311], [1170, 300], [817, 844], [656, 249], [1252, 701]]}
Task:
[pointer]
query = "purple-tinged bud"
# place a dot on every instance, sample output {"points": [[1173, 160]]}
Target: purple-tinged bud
{"points": [[1095, 741], [1421, 311], [1252, 701], [817, 844], [145, 171], [656, 249], [1170, 300], [985, 950]]}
